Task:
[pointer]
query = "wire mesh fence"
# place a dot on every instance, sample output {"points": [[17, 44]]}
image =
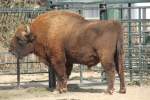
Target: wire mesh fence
{"points": [[136, 34]]}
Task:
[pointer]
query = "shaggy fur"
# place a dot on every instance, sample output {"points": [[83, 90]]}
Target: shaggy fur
{"points": [[62, 38]]}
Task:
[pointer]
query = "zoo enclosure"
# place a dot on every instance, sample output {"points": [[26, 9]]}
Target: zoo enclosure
{"points": [[136, 32]]}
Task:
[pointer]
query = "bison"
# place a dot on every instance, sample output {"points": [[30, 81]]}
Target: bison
{"points": [[61, 38]]}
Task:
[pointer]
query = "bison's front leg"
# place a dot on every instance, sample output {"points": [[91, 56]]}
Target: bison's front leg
{"points": [[69, 67], [58, 61], [60, 69]]}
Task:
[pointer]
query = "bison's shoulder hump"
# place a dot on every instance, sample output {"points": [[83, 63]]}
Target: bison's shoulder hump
{"points": [[60, 13]]}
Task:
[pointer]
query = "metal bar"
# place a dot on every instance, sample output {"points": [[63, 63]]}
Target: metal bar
{"points": [[18, 73], [24, 10], [108, 7], [24, 73], [1, 63], [140, 46], [81, 66], [81, 74], [98, 1], [129, 43], [52, 78], [103, 11], [25, 82], [27, 10], [121, 14]]}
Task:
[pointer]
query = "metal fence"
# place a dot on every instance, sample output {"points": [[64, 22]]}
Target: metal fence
{"points": [[13, 13], [136, 34]]}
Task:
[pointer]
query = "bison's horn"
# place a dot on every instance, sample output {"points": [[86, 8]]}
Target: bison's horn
{"points": [[27, 29]]}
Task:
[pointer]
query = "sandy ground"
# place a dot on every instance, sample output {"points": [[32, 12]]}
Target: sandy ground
{"points": [[89, 90], [75, 93]]}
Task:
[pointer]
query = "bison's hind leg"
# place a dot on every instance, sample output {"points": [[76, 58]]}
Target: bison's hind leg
{"points": [[109, 67], [120, 70]]}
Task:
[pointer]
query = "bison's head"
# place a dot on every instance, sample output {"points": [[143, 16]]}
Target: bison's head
{"points": [[22, 43]]}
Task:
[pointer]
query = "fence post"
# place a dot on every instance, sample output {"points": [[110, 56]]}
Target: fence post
{"points": [[129, 43], [52, 78], [103, 11], [81, 66], [18, 73], [140, 47], [81, 73], [49, 4]]}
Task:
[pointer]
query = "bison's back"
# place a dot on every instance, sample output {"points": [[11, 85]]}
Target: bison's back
{"points": [[55, 24], [54, 19]]}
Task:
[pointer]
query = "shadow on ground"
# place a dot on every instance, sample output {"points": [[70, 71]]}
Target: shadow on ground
{"points": [[23, 86], [77, 88], [71, 87]]}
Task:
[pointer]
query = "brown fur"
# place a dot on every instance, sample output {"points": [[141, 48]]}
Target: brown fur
{"points": [[62, 38]]}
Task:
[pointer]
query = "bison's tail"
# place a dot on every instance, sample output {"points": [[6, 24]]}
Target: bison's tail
{"points": [[119, 61]]}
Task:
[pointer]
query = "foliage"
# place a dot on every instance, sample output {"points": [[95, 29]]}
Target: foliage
{"points": [[9, 19], [16, 3]]}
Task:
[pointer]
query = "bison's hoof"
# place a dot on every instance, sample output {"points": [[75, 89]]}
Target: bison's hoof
{"points": [[59, 91], [110, 91], [62, 90], [123, 91], [55, 92]]}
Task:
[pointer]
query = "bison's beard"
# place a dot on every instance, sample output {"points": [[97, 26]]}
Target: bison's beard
{"points": [[17, 55], [20, 53], [20, 56]]}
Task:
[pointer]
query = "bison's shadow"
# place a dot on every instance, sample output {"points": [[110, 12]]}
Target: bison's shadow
{"points": [[7, 87], [77, 88], [71, 87], [25, 85]]}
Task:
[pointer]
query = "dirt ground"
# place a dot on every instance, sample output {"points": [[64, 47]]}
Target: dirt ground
{"points": [[89, 90], [75, 93]]}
